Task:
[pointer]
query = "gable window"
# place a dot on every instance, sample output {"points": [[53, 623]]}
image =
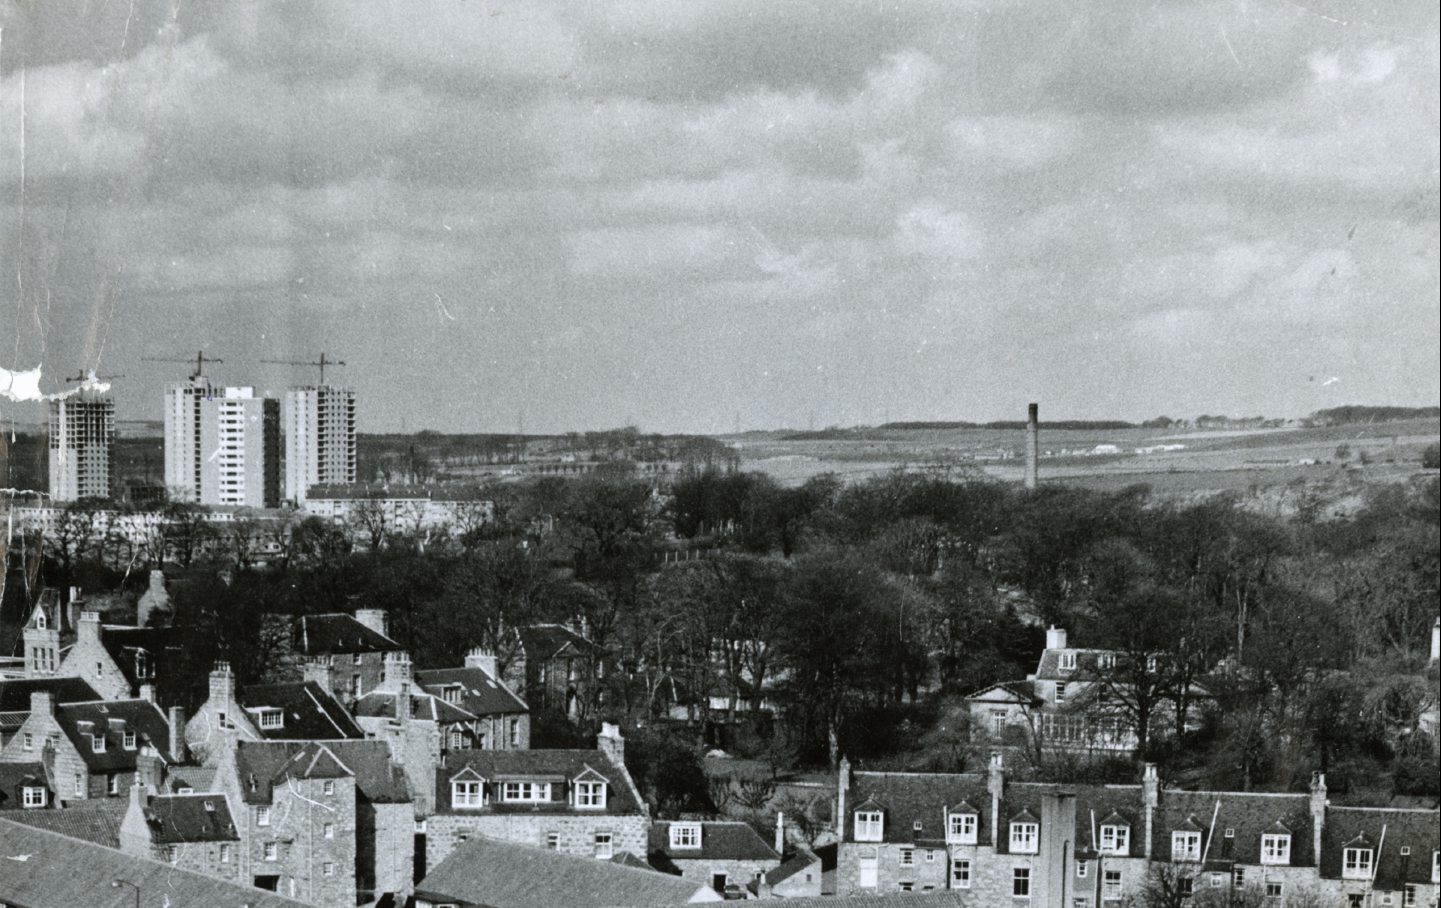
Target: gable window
{"points": [[1185, 846], [1024, 838], [526, 792], [327, 787], [604, 849], [1111, 886], [1275, 848], [961, 828], [32, 796], [468, 793], [1115, 839], [29, 741], [868, 826], [1356, 863], [128, 742], [590, 795], [1021, 882], [685, 835], [262, 816], [960, 874], [1068, 662]]}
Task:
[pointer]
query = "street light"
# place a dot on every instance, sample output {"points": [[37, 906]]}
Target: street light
{"points": [[116, 884]]}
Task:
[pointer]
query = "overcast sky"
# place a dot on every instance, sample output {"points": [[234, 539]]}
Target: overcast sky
{"points": [[682, 215]]}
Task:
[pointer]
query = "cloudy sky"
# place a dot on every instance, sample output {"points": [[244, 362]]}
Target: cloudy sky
{"points": [[686, 214]]}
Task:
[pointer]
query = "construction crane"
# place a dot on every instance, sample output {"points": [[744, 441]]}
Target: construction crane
{"points": [[322, 363], [200, 360]]}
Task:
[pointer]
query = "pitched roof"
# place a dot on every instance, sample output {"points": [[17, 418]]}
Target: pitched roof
{"points": [[480, 694], [486, 871], [190, 818], [95, 821], [132, 647], [381, 704], [554, 765], [311, 712], [908, 797], [720, 840], [261, 764], [61, 872], [546, 641], [111, 720], [955, 899], [1017, 691], [1417, 830], [802, 859], [1248, 815], [196, 778], [1087, 664], [15, 695], [339, 633], [17, 776]]}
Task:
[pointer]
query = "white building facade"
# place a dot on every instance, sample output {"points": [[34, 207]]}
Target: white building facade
{"points": [[319, 428]]}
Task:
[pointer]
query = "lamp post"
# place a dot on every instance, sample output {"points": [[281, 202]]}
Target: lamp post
{"points": [[116, 884]]}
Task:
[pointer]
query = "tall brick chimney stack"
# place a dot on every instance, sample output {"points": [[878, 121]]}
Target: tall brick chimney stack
{"points": [[1032, 450]]}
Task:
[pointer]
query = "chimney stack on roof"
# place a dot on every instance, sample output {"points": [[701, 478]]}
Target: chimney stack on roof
{"points": [[1055, 637], [1032, 445], [375, 619], [483, 659], [610, 743], [319, 670], [177, 734]]}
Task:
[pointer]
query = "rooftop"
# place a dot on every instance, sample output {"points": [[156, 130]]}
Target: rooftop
{"points": [[311, 712]]}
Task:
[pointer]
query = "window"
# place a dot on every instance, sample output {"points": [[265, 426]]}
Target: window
{"points": [[1273, 889], [908, 887], [355, 659], [1238, 877], [526, 792], [1111, 886], [590, 795], [998, 721], [868, 826], [457, 740], [327, 787], [960, 874], [930, 855], [1275, 849], [908, 857], [29, 741], [1021, 882], [1083, 869], [514, 733], [1115, 839], [97, 743], [1060, 692], [129, 740], [271, 852], [272, 718], [112, 784], [32, 796], [1185, 886], [1218, 880], [1106, 661], [262, 816], [552, 841], [1024, 837], [469, 794], [1185, 846], [328, 868], [1068, 662], [685, 835], [1412, 897], [328, 830], [79, 785], [225, 852], [1356, 863], [603, 847], [172, 853], [961, 828]]}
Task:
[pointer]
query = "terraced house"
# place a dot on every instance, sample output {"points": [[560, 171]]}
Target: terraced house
{"points": [[1092, 846]]}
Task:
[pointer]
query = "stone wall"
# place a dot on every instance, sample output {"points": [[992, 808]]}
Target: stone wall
{"points": [[740, 873], [576, 833]]}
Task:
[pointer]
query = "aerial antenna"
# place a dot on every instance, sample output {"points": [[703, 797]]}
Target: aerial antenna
{"points": [[322, 363], [200, 360]]}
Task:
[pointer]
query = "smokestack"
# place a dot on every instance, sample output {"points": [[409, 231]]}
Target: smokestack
{"points": [[1032, 453]]}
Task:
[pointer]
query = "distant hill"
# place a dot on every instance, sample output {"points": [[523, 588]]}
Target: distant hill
{"points": [[1352, 415]]}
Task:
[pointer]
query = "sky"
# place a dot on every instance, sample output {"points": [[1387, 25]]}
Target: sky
{"points": [[697, 216]]}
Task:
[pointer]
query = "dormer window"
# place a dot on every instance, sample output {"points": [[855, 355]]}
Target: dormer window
{"points": [[1115, 839], [97, 743], [590, 795], [1276, 848], [1025, 837], [1185, 846], [272, 718], [467, 794], [525, 792], [451, 693], [32, 796], [684, 835], [128, 740], [1106, 661], [961, 828], [870, 826], [1356, 863], [1068, 661]]}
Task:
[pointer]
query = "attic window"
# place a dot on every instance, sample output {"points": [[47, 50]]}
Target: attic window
{"points": [[1025, 838], [869, 826], [467, 794], [525, 792], [272, 718], [1356, 863], [1068, 661], [32, 796], [590, 795], [961, 828], [451, 693], [1115, 839], [1275, 848], [129, 740], [97, 743], [685, 835]]}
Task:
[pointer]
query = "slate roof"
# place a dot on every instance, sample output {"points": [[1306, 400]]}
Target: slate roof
{"points": [[480, 695], [1418, 830], [196, 778], [262, 764], [381, 704], [15, 695], [543, 642], [175, 819], [486, 871], [793, 865], [1113, 804], [1248, 814], [62, 872], [905, 798], [720, 840], [1087, 664], [161, 646], [311, 712], [940, 899], [338, 632], [111, 719], [1020, 691], [556, 766], [16, 776], [96, 821]]}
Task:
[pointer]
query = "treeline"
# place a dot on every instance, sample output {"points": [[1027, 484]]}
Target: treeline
{"points": [[1352, 415]]}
